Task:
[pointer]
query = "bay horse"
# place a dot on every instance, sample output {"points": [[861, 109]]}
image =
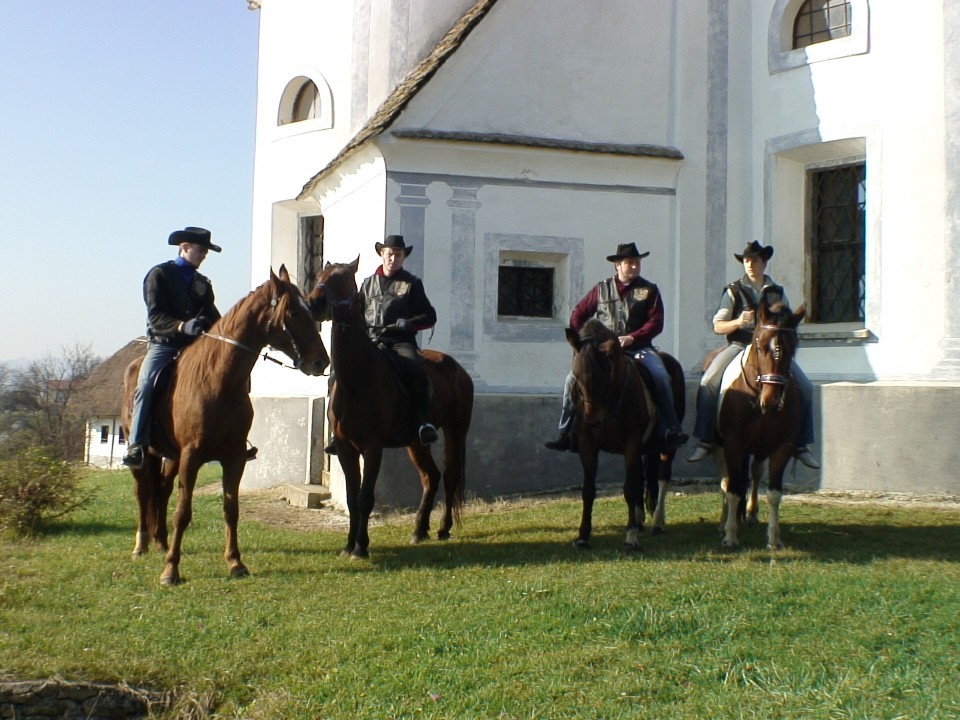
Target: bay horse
{"points": [[758, 419], [205, 413], [615, 413], [369, 409]]}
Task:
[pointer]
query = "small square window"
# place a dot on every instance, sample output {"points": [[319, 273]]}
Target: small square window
{"points": [[525, 291], [104, 433]]}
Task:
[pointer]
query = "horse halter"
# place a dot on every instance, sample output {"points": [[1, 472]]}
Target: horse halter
{"points": [[342, 304], [773, 378]]}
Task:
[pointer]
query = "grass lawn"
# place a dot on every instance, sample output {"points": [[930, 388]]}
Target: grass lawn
{"points": [[857, 618]]}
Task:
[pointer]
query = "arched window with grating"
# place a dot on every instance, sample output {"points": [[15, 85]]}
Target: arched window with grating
{"points": [[304, 99], [821, 20]]}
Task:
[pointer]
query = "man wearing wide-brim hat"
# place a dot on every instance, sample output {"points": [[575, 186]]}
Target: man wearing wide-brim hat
{"points": [[630, 306], [396, 308], [180, 307], [736, 319]]}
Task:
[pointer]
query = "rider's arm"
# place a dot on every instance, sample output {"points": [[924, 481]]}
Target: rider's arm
{"points": [[723, 321], [651, 327], [585, 309]]}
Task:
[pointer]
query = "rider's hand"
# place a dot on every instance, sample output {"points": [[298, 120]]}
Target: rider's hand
{"points": [[746, 318], [402, 324], [192, 327], [626, 340]]}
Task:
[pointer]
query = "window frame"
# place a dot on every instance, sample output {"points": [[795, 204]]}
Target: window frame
{"points": [[782, 56]]}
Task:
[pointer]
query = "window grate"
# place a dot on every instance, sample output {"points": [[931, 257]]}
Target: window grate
{"points": [[525, 291], [818, 21], [838, 205]]}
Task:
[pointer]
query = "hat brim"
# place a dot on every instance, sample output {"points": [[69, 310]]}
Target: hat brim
{"points": [[618, 258], [407, 249], [764, 255]]}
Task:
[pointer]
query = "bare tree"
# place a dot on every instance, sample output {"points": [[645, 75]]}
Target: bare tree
{"points": [[38, 401]]}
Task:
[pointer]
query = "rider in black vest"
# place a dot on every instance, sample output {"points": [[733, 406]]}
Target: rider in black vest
{"points": [[736, 320], [630, 306], [396, 308]]}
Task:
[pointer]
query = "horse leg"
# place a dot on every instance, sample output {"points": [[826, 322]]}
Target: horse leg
{"points": [[371, 468], [350, 464], [724, 476], [664, 475], [168, 474], [422, 460], [756, 473], [633, 494], [232, 473], [181, 517], [778, 463], [454, 472], [589, 459], [144, 483], [734, 496]]}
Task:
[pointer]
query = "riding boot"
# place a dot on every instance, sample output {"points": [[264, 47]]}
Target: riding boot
{"points": [[133, 458]]}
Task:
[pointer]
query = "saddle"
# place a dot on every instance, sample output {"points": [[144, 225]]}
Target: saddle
{"points": [[404, 368]]}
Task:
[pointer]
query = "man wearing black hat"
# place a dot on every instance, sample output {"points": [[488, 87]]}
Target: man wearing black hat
{"points": [[630, 306], [180, 306], [736, 318], [396, 308]]}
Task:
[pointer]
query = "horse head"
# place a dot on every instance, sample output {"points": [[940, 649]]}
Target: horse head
{"points": [[334, 295], [598, 367], [291, 328], [775, 344]]}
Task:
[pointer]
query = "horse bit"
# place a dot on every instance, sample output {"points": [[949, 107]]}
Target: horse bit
{"points": [[283, 325]]}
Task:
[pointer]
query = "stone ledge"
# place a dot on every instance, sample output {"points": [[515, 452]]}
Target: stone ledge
{"points": [[306, 496]]}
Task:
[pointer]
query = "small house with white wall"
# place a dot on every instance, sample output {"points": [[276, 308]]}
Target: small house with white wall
{"points": [[515, 143]]}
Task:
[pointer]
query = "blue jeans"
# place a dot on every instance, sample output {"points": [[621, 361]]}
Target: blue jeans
{"points": [[157, 356], [667, 415], [708, 397]]}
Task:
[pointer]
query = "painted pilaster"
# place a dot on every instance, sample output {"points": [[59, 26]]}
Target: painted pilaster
{"points": [[463, 272], [949, 366]]}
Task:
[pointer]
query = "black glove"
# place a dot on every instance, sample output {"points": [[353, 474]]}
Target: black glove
{"points": [[193, 327], [402, 324]]}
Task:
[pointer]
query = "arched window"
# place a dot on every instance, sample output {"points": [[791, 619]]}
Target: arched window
{"points": [[802, 32], [305, 99], [821, 20]]}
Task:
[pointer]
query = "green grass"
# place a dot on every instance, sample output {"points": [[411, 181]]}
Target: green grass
{"points": [[856, 619]]}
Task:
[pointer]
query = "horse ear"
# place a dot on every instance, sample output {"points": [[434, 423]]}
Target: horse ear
{"points": [[355, 265], [284, 275], [798, 316], [573, 338]]}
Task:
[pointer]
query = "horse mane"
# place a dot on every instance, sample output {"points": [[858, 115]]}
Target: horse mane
{"points": [[596, 330]]}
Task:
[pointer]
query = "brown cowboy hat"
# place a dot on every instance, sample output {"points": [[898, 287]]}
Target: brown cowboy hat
{"points": [[195, 235], [395, 242], [755, 249], [627, 251]]}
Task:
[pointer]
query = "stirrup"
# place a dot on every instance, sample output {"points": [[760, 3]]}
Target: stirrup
{"points": [[428, 434]]}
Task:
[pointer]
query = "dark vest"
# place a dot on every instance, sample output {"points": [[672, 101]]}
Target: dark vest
{"points": [[742, 300], [385, 301], [624, 314]]}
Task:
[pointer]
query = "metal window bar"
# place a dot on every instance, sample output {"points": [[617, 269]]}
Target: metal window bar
{"points": [[525, 291], [838, 223], [821, 20]]}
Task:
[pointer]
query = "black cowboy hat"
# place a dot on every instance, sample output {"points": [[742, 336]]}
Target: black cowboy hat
{"points": [[755, 249], [195, 235], [627, 251], [395, 242]]}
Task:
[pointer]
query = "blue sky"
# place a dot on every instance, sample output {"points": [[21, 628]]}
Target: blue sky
{"points": [[120, 121]]}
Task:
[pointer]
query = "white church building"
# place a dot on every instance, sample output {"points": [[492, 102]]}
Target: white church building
{"points": [[515, 143]]}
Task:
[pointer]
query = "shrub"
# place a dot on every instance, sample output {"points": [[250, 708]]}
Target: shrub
{"points": [[35, 488]]}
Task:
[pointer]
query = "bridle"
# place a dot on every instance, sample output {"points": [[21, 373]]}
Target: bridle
{"points": [[297, 353], [592, 341], [761, 379]]}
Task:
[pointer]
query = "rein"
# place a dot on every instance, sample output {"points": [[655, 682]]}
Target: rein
{"points": [[283, 326], [762, 379]]}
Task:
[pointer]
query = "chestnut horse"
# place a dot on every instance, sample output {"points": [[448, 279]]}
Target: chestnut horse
{"points": [[758, 418], [205, 412], [616, 413], [369, 409]]}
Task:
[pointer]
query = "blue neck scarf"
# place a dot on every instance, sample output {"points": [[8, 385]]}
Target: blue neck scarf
{"points": [[187, 271]]}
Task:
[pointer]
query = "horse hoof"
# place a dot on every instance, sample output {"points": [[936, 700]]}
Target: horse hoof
{"points": [[582, 544], [418, 538], [633, 547], [357, 555], [729, 545], [444, 535], [239, 572], [778, 546], [657, 531], [753, 520], [169, 579]]}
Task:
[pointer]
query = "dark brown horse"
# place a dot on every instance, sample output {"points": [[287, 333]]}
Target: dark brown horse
{"points": [[758, 419], [616, 413], [205, 413], [369, 409]]}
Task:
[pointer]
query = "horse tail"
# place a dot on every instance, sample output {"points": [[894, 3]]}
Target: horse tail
{"points": [[456, 443]]}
